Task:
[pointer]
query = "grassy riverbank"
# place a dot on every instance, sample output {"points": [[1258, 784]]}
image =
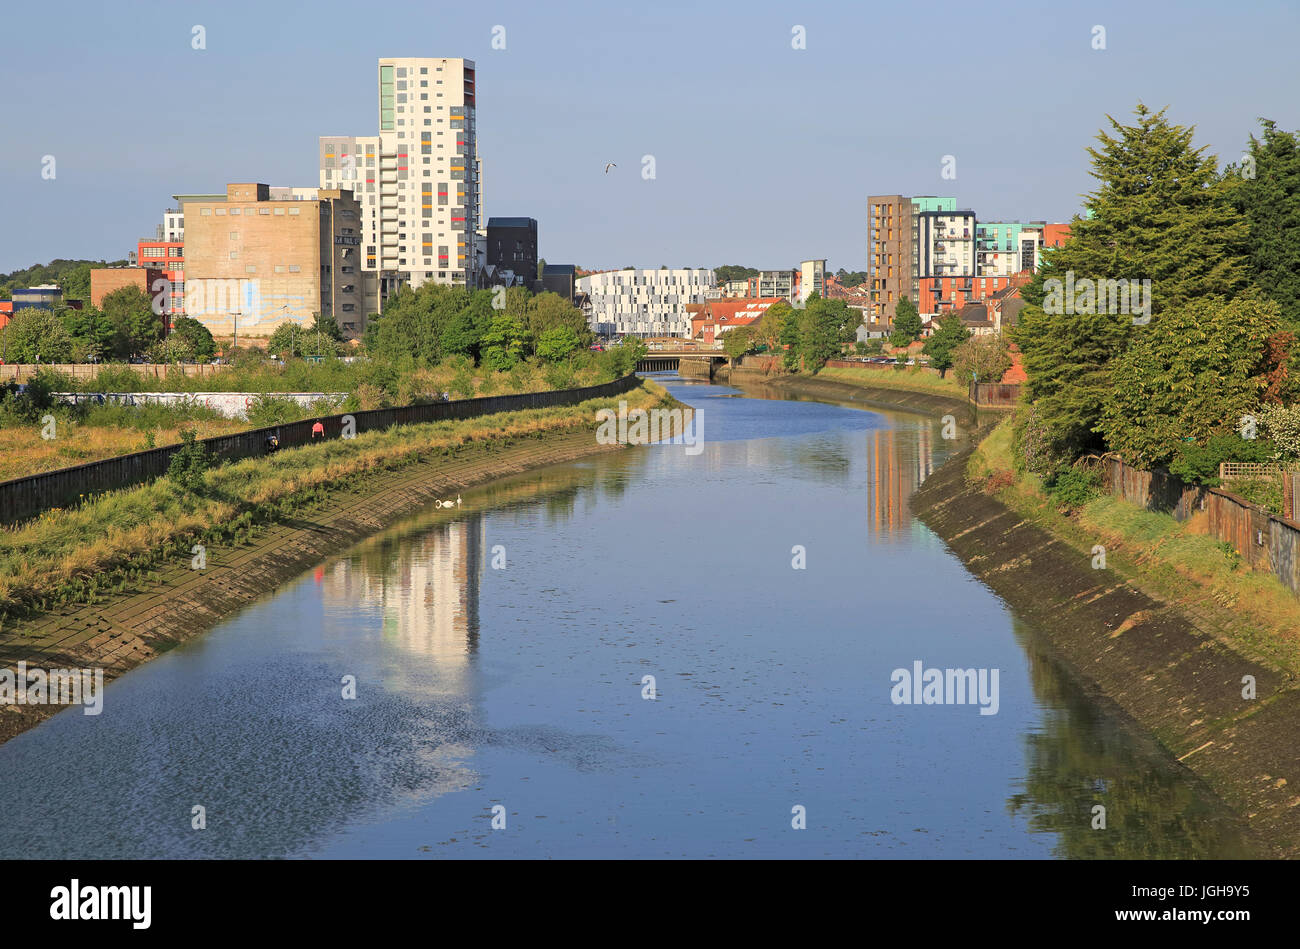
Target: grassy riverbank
{"points": [[1176, 563], [120, 539], [909, 379]]}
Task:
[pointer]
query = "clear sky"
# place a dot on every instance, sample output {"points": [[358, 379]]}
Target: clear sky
{"points": [[764, 154]]}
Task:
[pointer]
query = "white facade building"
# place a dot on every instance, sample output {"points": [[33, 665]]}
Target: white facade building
{"points": [[417, 181], [945, 243], [644, 302], [812, 279]]}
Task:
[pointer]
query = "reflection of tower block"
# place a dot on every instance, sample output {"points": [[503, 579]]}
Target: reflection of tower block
{"points": [[896, 464]]}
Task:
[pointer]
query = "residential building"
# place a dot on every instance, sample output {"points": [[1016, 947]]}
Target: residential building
{"points": [[1007, 247], [561, 279], [779, 283], [511, 245], [709, 321], [812, 279], [254, 262], [418, 180], [743, 287], [644, 302], [890, 253], [1054, 235], [106, 280]]}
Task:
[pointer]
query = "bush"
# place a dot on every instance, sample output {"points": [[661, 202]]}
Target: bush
{"points": [[189, 463], [1072, 488], [271, 410], [560, 376], [1282, 427], [1199, 464]]}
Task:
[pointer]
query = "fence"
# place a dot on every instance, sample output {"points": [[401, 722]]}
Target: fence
{"points": [[22, 372], [1247, 469], [1263, 540], [995, 394], [23, 498]]}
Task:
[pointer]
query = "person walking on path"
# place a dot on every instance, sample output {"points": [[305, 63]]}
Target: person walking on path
{"points": [[318, 429]]}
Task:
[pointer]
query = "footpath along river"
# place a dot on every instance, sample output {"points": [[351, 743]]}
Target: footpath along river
{"points": [[500, 651]]}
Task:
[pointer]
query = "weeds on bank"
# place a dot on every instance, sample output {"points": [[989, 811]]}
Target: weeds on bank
{"points": [[118, 539]]}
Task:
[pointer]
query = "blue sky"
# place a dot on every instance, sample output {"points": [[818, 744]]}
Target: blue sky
{"points": [[764, 154]]}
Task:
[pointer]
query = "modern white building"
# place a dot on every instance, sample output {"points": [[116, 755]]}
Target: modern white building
{"points": [[417, 181], [644, 302], [945, 243], [812, 279]]}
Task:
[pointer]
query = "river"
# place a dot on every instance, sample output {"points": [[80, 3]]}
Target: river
{"points": [[770, 584]]}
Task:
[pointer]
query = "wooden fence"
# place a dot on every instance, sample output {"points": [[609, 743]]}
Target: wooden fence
{"points": [[1263, 540], [24, 498]]}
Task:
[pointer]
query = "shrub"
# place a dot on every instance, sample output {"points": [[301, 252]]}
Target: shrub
{"points": [[560, 376], [271, 410], [189, 463], [1072, 488], [1281, 426], [1199, 464]]}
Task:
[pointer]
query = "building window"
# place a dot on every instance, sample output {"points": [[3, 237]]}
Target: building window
{"points": [[279, 212], [250, 269], [263, 210], [232, 211], [221, 212], [204, 212], [293, 210], [279, 268], [294, 268], [234, 255]]}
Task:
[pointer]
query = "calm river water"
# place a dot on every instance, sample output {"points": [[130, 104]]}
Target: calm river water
{"points": [[500, 653]]}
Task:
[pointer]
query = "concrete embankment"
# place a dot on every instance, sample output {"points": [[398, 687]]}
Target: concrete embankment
{"points": [[1146, 659], [126, 630], [852, 393]]}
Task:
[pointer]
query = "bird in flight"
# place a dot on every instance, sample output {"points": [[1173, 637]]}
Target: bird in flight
{"points": [[608, 166]]}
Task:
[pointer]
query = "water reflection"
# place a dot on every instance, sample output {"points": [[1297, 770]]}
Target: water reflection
{"points": [[1080, 758]]}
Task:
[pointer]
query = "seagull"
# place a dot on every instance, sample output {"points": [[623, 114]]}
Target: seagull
{"points": [[608, 166]]}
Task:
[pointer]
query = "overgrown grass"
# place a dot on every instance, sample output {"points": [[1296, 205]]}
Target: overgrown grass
{"points": [[911, 378], [120, 536], [1178, 563], [94, 432]]}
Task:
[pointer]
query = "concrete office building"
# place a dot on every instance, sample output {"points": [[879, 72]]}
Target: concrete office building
{"points": [[253, 262], [644, 302], [418, 179]]}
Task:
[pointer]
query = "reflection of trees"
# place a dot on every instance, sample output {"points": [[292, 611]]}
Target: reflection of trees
{"points": [[1081, 758]]}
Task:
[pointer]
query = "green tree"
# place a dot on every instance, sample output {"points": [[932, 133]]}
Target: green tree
{"points": [[1266, 190], [769, 326], [35, 335], [503, 344], [287, 340], [943, 344], [791, 330], [984, 357], [136, 325], [547, 311], [729, 272], [93, 333], [1160, 213], [1193, 374], [557, 344], [326, 326], [820, 331], [907, 323], [737, 342], [197, 336]]}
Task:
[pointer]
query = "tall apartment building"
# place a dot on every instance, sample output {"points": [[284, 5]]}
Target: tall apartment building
{"points": [[890, 253], [779, 283], [511, 244], [418, 180], [812, 279], [945, 244], [254, 261], [1008, 247], [644, 302]]}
